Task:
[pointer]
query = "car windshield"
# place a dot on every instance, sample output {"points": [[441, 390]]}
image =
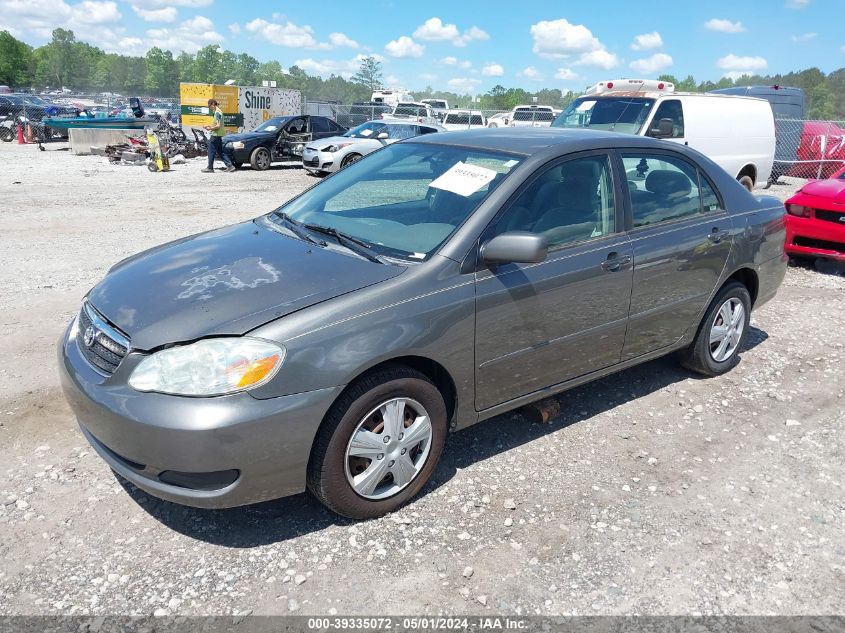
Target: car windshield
{"points": [[614, 114], [271, 125], [370, 129], [463, 119], [406, 199], [410, 110]]}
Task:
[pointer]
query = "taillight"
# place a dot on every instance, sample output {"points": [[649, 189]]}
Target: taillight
{"points": [[798, 210], [609, 85], [660, 86]]}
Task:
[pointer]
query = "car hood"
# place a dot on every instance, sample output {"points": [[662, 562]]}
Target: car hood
{"points": [[225, 282], [249, 136], [833, 189]]}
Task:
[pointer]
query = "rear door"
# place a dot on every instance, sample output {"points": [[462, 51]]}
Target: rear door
{"points": [[541, 324], [681, 237]]}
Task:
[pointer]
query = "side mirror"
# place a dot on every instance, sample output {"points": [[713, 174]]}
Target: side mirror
{"points": [[383, 135], [665, 129], [518, 247]]}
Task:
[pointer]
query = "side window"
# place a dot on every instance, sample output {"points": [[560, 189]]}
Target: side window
{"points": [[568, 202], [319, 125], [402, 131], [674, 111], [662, 188], [336, 127], [427, 130], [709, 199], [297, 126]]}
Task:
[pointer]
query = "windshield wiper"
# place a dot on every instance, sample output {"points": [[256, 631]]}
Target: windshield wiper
{"points": [[354, 244], [295, 227]]}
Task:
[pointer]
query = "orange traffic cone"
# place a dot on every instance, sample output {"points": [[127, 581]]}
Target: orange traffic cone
{"points": [[21, 140], [28, 133]]}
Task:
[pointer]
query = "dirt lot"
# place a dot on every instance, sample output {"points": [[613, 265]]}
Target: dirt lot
{"points": [[654, 492]]}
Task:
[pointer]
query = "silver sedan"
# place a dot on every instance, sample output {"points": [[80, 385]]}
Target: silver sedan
{"points": [[333, 154]]}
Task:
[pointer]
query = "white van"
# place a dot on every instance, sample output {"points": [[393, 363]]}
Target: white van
{"points": [[391, 97], [737, 133]]}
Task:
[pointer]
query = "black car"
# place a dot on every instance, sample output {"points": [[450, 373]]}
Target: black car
{"points": [[278, 139]]}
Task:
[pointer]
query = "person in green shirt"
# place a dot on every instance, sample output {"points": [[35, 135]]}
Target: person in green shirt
{"points": [[215, 143]]}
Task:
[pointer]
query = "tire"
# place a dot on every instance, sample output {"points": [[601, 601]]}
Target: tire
{"points": [[746, 182], [260, 159], [349, 159], [702, 355], [6, 134], [357, 411]]}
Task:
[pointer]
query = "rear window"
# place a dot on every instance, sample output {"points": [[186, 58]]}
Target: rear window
{"points": [[533, 115], [464, 119], [410, 110]]}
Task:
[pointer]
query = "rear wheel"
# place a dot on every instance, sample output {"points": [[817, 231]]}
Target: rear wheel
{"points": [[6, 134], [260, 159], [746, 182], [715, 349], [378, 444]]}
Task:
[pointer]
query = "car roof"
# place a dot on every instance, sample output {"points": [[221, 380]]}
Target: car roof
{"points": [[528, 141]]}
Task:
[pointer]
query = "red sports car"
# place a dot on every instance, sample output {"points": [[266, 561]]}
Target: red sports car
{"points": [[815, 219]]}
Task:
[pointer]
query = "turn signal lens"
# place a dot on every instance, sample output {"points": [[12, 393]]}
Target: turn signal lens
{"points": [[798, 210]]}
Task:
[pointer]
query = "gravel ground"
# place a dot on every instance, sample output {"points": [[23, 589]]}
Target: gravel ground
{"points": [[654, 492]]}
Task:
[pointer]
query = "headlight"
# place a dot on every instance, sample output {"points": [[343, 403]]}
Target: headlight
{"points": [[210, 367], [238, 145], [336, 148]]}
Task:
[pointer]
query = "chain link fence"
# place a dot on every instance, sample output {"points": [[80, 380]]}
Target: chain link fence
{"points": [[808, 149]]}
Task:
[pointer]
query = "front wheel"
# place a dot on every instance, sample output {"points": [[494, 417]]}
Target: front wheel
{"points": [[379, 443], [260, 159], [349, 159], [721, 333]]}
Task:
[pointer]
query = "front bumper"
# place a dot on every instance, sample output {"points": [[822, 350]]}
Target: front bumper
{"points": [[812, 237], [316, 161], [205, 452]]}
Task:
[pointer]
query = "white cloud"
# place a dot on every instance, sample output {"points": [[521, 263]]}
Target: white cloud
{"points": [[190, 36], [531, 73], [598, 59], [428, 77], [91, 12], [454, 61], [167, 14], [287, 34], [647, 41], [404, 47], [463, 84], [341, 39], [190, 4], [724, 26], [736, 66], [735, 62], [651, 65], [804, 37], [493, 70], [797, 4], [392, 80], [559, 38], [566, 74], [132, 46], [235, 28], [434, 30], [343, 67]]}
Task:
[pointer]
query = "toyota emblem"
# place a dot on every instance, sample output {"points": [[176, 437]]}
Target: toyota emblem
{"points": [[89, 336]]}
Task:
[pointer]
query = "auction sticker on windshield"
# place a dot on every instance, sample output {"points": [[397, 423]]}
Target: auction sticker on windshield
{"points": [[463, 179]]}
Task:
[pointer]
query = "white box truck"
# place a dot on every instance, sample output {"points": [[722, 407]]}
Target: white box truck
{"points": [[737, 133]]}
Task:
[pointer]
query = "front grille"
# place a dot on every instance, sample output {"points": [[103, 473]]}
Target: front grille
{"points": [[314, 162], [102, 345], [831, 216], [821, 245]]}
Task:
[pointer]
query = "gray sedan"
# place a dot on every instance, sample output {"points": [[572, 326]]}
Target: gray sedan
{"points": [[335, 342]]}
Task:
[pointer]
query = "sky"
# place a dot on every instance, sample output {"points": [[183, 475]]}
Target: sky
{"points": [[466, 46]]}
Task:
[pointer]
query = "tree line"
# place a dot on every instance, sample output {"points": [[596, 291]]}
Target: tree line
{"points": [[67, 62]]}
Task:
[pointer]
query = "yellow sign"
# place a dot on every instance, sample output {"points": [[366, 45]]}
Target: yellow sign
{"points": [[195, 113]]}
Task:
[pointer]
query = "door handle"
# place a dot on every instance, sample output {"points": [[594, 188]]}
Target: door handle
{"points": [[716, 235], [614, 262]]}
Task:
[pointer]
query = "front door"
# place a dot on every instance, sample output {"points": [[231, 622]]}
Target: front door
{"points": [[541, 324], [681, 237], [295, 135]]}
